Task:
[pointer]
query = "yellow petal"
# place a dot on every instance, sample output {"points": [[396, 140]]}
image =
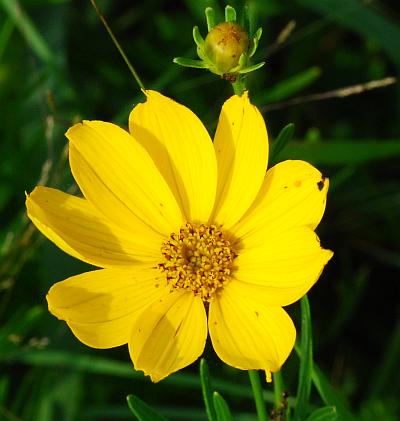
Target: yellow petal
{"points": [[241, 147], [247, 334], [182, 149], [281, 267], [101, 306], [116, 174], [169, 335], [293, 194], [79, 229]]}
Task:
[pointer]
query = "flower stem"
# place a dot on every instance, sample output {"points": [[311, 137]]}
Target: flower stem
{"points": [[239, 86], [258, 395], [117, 44], [277, 378]]}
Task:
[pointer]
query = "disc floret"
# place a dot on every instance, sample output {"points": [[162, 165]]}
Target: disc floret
{"points": [[199, 259]]}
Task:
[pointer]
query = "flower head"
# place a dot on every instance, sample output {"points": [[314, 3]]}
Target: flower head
{"points": [[193, 237]]}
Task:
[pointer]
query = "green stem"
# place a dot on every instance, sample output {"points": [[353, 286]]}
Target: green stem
{"points": [[258, 395], [239, 86], [306, 362], [207, 391], [121, 51], [278, 388]]}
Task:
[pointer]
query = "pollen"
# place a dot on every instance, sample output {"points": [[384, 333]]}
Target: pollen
{"points": [[199, 259]]}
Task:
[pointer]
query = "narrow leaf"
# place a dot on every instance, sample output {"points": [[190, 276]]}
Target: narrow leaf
{"points": [[188, 62], [221, 408], [252, 68], [142, 411], [328, 413], [254, 42], [207, 390], [306, 362], [285, 136]]}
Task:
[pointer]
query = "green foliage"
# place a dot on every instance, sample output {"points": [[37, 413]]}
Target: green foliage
{"points": [[221, 408], [53, 74], [142, 411], [306, 362], [328, 413], [207, 391], [284, 137], [289, 86]]}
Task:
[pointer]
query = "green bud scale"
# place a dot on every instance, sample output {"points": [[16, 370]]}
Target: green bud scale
{"points": [[227, 48]]}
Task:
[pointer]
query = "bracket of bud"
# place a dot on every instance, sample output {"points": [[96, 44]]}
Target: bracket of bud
{"points": [[227, 48]]}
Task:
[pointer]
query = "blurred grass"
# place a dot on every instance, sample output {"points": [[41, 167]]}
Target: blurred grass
{"points": [[57, 65]]}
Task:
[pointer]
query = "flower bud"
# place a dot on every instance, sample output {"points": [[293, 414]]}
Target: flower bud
{"points": [[224, 45]]}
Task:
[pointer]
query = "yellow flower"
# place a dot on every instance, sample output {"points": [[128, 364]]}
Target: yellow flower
{"points": [[184, 228]]}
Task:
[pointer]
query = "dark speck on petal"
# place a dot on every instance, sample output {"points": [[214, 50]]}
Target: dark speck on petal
{"points": [[321, 184]]}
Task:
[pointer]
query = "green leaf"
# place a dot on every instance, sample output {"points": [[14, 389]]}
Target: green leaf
{"points": [[289, 86], [328, 413], [334, 152], [207, 391], [221, 408], [306, 362], [254, 42], [142, 411], [252, 68], [188, 62], [284, 136], [230, 14]]}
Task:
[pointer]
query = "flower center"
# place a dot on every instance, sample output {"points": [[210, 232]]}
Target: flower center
{"points": [[199, 259]]}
